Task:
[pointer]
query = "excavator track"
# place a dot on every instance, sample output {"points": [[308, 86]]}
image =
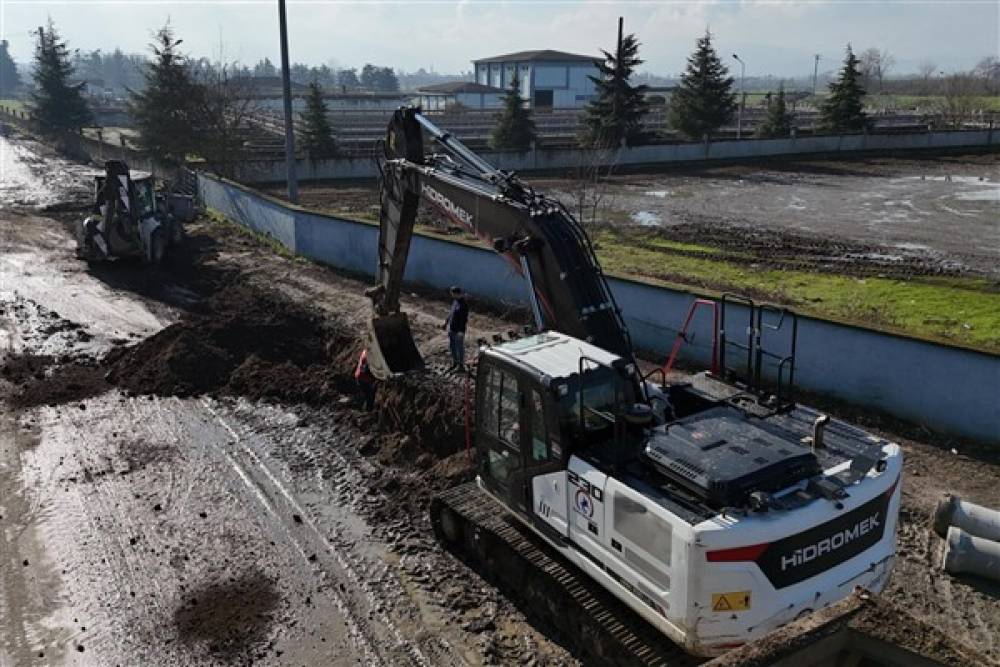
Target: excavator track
{"points": [[544, 585]]}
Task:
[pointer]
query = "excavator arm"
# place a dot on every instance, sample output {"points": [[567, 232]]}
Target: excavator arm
{"points": [[535, 234]]}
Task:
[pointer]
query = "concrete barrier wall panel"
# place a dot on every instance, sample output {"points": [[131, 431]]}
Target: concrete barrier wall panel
{"points": [[946, 388]]}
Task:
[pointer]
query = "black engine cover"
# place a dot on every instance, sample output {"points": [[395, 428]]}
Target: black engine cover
{"points": [[722, 456]]}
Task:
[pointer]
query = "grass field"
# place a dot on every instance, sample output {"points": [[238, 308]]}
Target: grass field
{"points": [[15, 105], [964, 311]]}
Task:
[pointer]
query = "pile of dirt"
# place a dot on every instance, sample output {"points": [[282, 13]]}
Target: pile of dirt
{"points": [[244, 342], [423, 413], [21, 368], [231, 618], [37, 380]]}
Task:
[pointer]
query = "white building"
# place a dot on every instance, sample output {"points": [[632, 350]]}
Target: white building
{"points": [[548, 79], [453, 94]]}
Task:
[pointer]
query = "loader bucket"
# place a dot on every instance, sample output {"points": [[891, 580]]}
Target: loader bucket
{"points": [[391, 349]]}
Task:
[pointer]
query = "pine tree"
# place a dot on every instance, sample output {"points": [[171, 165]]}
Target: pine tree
{"points": [[316, 134], [704, 100], [164, 111], [778, 122], [58, 107], [10, 80], [616, 114], [515, 130], [843, 110]]}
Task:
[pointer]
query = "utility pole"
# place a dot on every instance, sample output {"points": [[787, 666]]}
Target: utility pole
{"points": [[815, 72], [618, 64], [743, 97], [286, 84]]}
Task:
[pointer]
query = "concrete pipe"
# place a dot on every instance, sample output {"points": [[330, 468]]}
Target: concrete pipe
{"points": [[967, 554], [973, 519]]}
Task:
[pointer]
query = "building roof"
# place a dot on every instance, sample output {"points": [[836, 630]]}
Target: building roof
{"points": [[459, 87], [537, 56], [554, 354]]}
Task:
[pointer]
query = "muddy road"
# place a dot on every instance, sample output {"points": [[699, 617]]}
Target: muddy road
{"points": [[172, 494], [158, 530]]}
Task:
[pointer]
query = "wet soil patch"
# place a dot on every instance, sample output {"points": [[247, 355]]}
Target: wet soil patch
{"points": [[139, 454], [244, 342], [42, 380], [188, 275], [19, 369], [766, 248], [230, 619], [421, 413]]}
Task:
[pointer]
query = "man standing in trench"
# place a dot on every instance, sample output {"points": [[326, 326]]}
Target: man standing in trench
{"points": [[457, 319]]}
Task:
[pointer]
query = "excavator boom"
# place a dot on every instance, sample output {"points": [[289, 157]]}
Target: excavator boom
{"points": [[536, 234]]}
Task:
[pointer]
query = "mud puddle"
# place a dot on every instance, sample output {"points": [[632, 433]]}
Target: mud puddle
{"points": [[33, 181]]}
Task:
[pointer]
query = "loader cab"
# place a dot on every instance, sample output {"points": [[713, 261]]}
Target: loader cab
{"points": [[143, 192], [541, 399]]}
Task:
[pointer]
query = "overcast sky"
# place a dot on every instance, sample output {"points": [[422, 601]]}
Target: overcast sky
{"points": [[772, 36]]}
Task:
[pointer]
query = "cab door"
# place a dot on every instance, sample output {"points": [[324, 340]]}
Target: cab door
{"points": [[545, 465], [501, 429]]}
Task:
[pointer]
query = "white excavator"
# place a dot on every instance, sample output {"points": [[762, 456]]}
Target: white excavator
{"points": [[717, 509]]}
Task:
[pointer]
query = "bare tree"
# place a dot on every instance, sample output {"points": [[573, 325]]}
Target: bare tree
{"points": [[989, 70], [886, 61], [590, 186], [225, 109], [868, 64], [960, 97], [875, 65], [926, 70]]}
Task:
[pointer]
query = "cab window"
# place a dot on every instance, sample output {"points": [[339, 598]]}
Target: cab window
{"points": [[602, 391], [539, 434], [510, 417], [489, 421], [500, 411]]}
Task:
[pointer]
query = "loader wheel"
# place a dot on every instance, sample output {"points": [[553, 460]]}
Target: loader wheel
{"points": [[157, 247]]}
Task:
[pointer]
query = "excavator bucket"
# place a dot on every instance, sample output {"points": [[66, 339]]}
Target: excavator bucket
{"points": [[391, 349]]}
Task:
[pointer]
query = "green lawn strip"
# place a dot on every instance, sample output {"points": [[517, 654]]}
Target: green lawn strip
{"points": [[959, 311], [667, 244], [15, 105]]}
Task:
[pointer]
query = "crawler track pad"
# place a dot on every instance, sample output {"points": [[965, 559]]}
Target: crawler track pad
{"points": [[391, 350]]}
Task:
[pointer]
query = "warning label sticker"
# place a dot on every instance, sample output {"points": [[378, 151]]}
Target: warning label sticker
{"points": [[736, 601]]}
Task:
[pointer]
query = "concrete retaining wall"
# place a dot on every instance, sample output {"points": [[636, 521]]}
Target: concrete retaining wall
{"points": [[544, 159], [945, 388]]}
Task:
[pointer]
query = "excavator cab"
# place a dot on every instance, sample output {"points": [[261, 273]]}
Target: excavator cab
{"points": [[539, 400]]}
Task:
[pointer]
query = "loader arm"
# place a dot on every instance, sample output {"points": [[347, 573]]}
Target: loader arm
{"points": [[534, 233]]}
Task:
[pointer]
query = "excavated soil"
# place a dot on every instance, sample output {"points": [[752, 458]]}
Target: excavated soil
{"points": [[242, 342]]}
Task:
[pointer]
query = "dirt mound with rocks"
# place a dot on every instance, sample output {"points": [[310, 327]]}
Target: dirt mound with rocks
{"points": [[423, 414], [36, 380], [243, 342]]}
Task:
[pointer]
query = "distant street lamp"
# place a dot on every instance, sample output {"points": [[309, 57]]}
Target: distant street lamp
{"points": [[815, 72], [743, 97]]}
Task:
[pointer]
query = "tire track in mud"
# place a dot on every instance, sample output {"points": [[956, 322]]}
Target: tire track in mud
{"points": [[370, 580], [455, 616]]}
